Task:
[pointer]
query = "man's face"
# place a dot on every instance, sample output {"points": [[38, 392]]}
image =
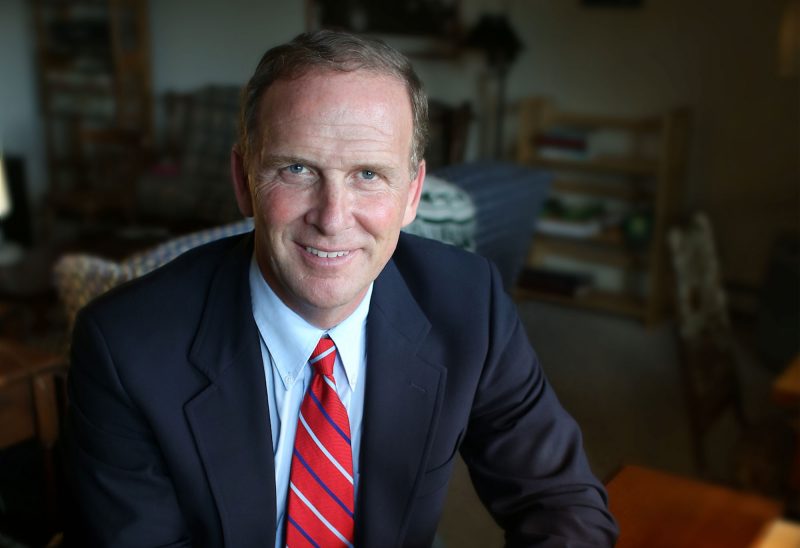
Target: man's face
{"points": [[330, 187]]}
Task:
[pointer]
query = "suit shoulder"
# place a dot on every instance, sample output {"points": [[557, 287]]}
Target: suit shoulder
{"points": [[439, 263], [178, 281], [445, 279]]}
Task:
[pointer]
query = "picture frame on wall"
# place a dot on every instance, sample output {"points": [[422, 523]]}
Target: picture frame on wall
{"points": [[613, 3], [439, 19]]}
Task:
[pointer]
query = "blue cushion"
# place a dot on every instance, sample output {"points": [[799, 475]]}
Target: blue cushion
{"points": [[508, 199]]}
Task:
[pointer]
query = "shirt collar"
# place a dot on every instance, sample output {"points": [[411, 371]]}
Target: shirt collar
{"points": [[290, 339]]}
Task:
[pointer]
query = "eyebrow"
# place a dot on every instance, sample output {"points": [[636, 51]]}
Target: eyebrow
{"points": [[377, 168], [270, 160], [279, 160]]}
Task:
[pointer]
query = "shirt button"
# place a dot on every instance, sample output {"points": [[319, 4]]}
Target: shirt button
{"points": [[289, 379]]}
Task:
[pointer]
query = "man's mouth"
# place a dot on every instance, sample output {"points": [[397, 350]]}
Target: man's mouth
{"points": [[326, 254]]}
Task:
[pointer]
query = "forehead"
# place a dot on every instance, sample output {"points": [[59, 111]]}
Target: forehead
{"points": [[337, 115], [338, 97]]}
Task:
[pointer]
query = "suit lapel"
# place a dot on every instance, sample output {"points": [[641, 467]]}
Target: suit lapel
{"points": [[403, 398], [230, 418]]}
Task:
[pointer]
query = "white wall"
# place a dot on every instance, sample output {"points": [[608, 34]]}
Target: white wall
{"points": [[200, 42], [20, 122]]}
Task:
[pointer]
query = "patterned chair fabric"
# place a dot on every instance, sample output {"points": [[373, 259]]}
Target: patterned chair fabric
{"points": [[191, 182], [146, 261], [701, 301], [710, 361], [79, 278], [445, 213]]}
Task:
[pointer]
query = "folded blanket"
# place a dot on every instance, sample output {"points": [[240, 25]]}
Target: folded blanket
{"points": [[446, 213]]}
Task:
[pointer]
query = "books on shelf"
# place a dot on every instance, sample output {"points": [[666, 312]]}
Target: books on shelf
{"points": [[562, 145], [569, 229], [602, 145], [545, 280], [574, 220]]}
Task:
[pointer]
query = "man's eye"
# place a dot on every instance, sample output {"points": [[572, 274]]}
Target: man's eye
{"points": [[367, 174], [296, 169]]}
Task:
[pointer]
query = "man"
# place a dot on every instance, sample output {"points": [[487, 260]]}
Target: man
{"points": [[195, 419]]}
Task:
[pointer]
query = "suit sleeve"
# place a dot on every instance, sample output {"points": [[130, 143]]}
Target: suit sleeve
{"points": [[523, 450], [123, 495]]}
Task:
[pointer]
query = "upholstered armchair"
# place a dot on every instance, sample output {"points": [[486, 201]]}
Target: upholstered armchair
{"points": [[188, 186], [711, 361], [80, 277]]}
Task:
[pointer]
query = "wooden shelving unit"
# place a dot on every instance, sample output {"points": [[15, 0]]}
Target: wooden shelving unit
{"points": [[602, 248], [617, 303], [643, 176], [93, 67]]}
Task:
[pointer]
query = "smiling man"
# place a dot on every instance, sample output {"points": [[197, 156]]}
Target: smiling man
{"points": [[330, 184], [310, 383]]}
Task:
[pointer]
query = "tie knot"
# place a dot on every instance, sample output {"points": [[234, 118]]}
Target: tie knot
{"points": [[323, 357]]}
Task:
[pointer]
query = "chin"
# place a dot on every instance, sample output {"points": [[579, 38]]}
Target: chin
{"points": [[327, 301], [331, 298]]}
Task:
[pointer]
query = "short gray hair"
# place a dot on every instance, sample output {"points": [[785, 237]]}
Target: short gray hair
{"points": [[337, 51]]}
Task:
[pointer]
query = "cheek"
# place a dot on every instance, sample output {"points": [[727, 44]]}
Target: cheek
{"points": [[381, 218], [277, 208]]}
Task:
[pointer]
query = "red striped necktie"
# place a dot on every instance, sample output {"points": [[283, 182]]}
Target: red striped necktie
{"points": [[320, 504]]}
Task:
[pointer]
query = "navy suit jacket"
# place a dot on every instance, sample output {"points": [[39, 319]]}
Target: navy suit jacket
{"points": [[169, 431]]}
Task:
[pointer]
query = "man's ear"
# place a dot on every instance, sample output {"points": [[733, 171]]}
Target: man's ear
{"points": [[414, 192], [241, 184]]}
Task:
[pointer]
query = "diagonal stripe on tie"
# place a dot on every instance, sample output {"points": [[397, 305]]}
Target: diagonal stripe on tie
{"points": [[327, 422], [325, 533], [322, 355], [310, 445], [330, 419], [323, 504], [293, 523], [321, 483], [305, 521], [336, 482]]}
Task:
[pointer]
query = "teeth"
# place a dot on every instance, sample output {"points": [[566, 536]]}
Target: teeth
{"points": [[326, 254]]}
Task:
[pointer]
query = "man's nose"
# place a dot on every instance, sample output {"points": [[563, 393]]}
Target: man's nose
{"points": [[331, 212]]}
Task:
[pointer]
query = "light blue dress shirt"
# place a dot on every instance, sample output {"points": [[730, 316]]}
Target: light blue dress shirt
{"points": [[287, 341]]}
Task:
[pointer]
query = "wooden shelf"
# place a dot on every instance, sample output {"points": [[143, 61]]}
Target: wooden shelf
{"points": [[72, 4], [97, 77], [81, 88], [603, 249], [617, 303], [620, 191], [590, 121], [625, 166], [86, 118]]}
